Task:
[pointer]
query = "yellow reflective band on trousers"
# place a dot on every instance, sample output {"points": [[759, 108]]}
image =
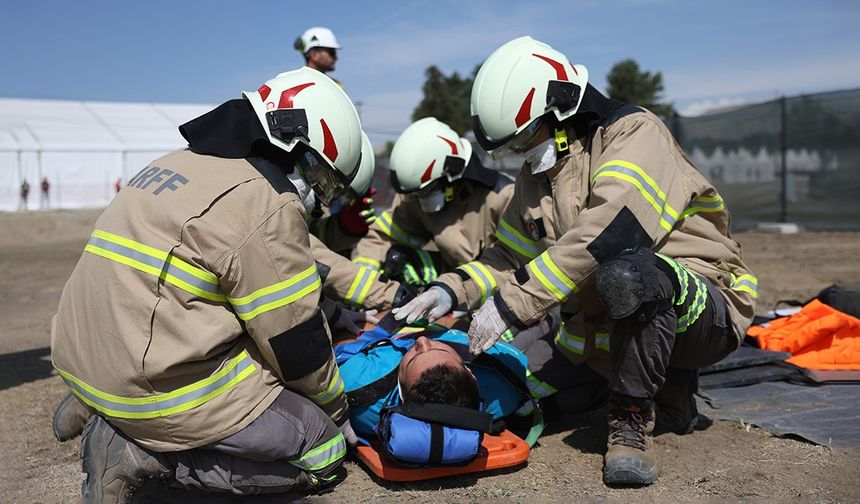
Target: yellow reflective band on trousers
{"points": [[601, 341], [629, 172], [361, 285], [551, 277], [277, 295], [539, 389], [700, 298], [387, 225], [335, 388], [368, 263], [746, 283], [482, 278], [323, 455], [162, 405], [157, 263], [570, 342], [515, 241]]}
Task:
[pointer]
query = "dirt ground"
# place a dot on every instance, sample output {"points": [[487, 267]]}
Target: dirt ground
{"points": [[726, 461]]}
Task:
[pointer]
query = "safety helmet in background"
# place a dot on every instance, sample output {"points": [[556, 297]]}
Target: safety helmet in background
{"points": [[427, 154], [519, 83], [306, 113], [317, 36]]}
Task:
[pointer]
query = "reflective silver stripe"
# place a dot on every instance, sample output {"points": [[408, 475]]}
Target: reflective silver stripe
{"points": [[368, 263], [360, 286], [482, 278], [707, 204], [322, 456], [601, 341], [166, 404], [570, 342], [277, 295], [746, 283], [386, 223], [516, 241], [539, 389], [551, 276], [682, 274], [334, 389], [629, 172], [165, 266]]}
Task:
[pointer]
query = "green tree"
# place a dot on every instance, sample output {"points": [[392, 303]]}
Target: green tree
{"points": [[630, 85], [446, 97]]}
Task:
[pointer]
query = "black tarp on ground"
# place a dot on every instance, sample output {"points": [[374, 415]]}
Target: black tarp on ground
{"points": [[756, 386]]}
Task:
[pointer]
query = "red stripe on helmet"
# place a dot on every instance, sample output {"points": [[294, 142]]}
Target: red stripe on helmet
{"points": [[264, 92], [453, 145], [287, 95], [560, 72], [428, 172], [329, 147], [525, 112]]}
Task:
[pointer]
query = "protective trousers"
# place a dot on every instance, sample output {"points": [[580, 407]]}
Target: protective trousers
{"points": [[683, 323], [292, 445]]}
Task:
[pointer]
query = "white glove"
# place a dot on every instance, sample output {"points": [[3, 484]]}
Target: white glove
{"points": [[487, 325], [348, 433], [434, 300], [348, 320]]}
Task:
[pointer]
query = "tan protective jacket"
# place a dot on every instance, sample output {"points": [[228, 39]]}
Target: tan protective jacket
{"points": [[194, 304], [355, 285], [461, 230], [634, 187]]}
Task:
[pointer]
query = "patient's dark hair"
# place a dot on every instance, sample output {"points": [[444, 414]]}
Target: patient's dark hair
{"points": [[446, 384]]}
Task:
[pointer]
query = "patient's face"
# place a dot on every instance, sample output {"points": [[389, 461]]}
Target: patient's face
{"points": [[425, 354]]}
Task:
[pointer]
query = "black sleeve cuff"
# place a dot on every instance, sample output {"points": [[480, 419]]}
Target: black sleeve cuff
{"points": [[506, 312], [454, 301]]}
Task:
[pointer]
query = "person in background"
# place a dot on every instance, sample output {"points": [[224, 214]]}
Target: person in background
{"points": [[25, 192], [45, 200], [319, 47]]}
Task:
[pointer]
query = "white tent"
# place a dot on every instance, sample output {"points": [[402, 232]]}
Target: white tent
{"points": [[82, 148]]}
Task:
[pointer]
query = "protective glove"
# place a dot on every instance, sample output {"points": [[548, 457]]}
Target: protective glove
{"points": [[434, 300], [487, 325], [349, 320], [348, 433], [356, 217]]}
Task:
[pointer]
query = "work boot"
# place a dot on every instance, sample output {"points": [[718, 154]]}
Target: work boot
{"points": [[115, 466], [70, 417], [676, 402], [630, 458]]}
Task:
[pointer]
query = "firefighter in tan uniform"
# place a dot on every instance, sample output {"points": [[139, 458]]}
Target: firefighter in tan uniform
{"points": [[613, 224], [445, 197], [191, 324]]}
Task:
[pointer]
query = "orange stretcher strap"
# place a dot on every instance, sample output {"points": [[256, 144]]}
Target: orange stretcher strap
{"points": [[497, 452]]}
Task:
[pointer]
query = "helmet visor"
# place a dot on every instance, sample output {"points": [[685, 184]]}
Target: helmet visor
{"points": [[326, 181], [521, 142]]}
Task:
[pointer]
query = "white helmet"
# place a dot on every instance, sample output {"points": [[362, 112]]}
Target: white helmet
{"points": [[426, 152], [520, 82], [305, 111], [317, 36], [361, 183]]}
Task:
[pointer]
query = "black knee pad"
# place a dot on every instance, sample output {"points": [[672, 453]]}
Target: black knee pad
{"points": [[632, 280]]}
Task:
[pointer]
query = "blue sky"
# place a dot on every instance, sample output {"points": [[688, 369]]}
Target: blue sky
{"points": [[187, 51]]}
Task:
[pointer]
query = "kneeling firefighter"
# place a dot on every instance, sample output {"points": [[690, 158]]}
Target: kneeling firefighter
{"points": [[445, 196], [191, 324], [635, 248]]}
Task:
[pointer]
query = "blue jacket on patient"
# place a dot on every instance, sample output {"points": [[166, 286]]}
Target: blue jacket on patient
{"points": [[369, 367]]}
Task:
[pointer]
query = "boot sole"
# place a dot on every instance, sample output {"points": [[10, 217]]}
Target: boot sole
{"points": [[629, 471]]}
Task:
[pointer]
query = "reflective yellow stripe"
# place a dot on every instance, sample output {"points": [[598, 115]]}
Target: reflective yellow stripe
{"points": [[277, 295], [335, 388], [538, 388], [368, 263], [361, 286], [746, 283], [482, 278], [551, 277], [648, 188], [570, 342], [388, 226], [161, 405], [514, 240], [157, 263], [323, 455], [707, 204], [682, 275], [697, 306], [601, 341]]}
